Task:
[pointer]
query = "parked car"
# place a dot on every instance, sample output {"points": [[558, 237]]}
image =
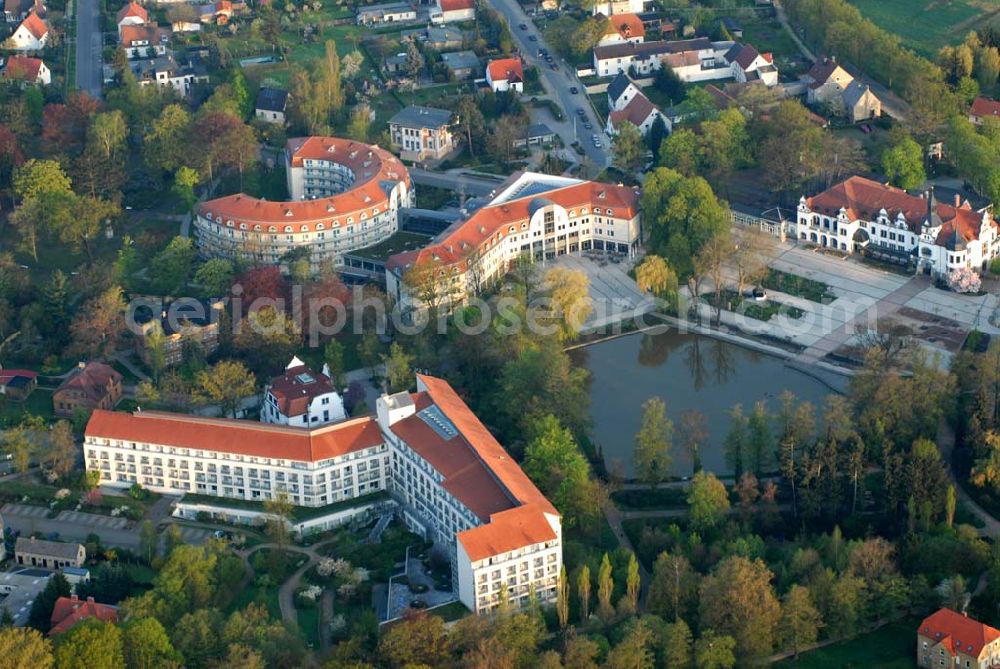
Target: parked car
{"points": [[574, 90], [523, 26], [532, 38], [580, 112], [554, 67], [757, 294], [587, 126]]}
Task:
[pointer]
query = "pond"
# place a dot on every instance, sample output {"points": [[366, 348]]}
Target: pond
{"points": [[688, 371]]}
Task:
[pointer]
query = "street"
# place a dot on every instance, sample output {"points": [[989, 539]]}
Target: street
{"points": [[89, 75], [557, 85]]}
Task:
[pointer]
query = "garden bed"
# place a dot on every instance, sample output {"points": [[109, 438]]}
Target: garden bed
{"points": [[761, 311], [798, 286]]}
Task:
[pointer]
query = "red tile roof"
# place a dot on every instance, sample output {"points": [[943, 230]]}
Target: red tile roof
{"points": [[152, 35], [505, 69], [374, 169], [93, 380], [294, 394], [482, 228], [456, 5], [957, 632], [237, 436], [864, 198], [7, 375], [35, 25], [133, 10], [984, 107], [629, 26], [635, 112], [68, 611], [479, 473], [24, 69]]}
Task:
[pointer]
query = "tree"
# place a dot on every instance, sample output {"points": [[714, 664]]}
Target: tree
{"points": [[562, 598], [425, 283], [185, 179], [329, 84], [279, 509], [360, 123], [91, 644], [715, 652], [605, 586], [654, 275], [420, 640], [708, 501], [754, 250], [792, 149], [62, 449], [24, 647], [333, 357], [950, 503], [167, 145], [736, 444], [398, 368], [583, 592], [469, 120], [99, 325], [628, 148], [632, 652], [171, 267], [711, 263], [673, 588], [569, 290], [694, 434], [552, 459], [197, 636], [38, 178], [737, 599], [149, 540], [903, 163], [676, 641], [18, 444], [653, 443], [226, 383], [107, 131], [800, 621], [679, 151], [632, 583], [214, 276], [146, 644]]}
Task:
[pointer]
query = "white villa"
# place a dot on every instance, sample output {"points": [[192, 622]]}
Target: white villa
{"points": [[302, 398]]}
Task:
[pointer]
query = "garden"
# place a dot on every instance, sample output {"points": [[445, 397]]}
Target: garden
{"points": [[763, 310], [798, 286]]}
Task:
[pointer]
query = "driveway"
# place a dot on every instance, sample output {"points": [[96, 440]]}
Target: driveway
{"points": [[557, 84], [89, 70]]}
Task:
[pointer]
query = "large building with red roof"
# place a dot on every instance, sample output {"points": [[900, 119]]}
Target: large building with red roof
{"points": [[452, 481], [68, 611], [345, 195], [947, 638], [861, 215], [533, 215]]}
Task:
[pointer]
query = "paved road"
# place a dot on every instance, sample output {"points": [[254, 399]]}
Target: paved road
{"points": [[89, 73], [557, 83]]}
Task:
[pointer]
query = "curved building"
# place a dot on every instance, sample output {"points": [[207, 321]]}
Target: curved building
{"points": [[345, 195]]}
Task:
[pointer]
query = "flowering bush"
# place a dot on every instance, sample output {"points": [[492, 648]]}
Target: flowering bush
{"points": [[311, 592], [62, 493], [93, 497], [964, 280]]}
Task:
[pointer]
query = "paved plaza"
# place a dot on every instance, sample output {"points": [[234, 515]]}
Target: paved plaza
{"points": [[614, 294]]}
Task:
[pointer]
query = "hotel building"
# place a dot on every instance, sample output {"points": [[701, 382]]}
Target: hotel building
{"points": [[534, 215], [345, 195], [454, 483]]}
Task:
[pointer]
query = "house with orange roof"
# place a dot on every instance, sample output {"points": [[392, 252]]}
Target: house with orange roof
{"points": [[622, 28], [860, 215], [534, 215], [301, 397], [144, 41], [15, 11], [28, 70], [132, 14], [947, 638], [68, 611], [93, 385], [505, 74], [31, 35], [640, 112], [983, 108], [451, 11]]}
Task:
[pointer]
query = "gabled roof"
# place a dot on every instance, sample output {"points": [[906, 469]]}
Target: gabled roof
{"points": [[35, 25], [957, 632], [629, 26], [854, 92], [272, 99], [8, 375], [133, 10], [821, 71], [416, 116], [153, 34], [25, 69], [56, 549], [618, 86], [456, 5], [984, 107], [298, 387], [243, 437], [68, 611], [635, 112], [93, 380], [17, 7], [742, 54], [505, 69]]}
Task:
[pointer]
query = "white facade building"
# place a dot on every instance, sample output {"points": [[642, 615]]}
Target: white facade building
{"points": [[302, 398], [454, 482], [31, 35], [863, 215]]}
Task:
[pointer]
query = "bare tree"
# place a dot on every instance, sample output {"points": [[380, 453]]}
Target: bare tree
{"points": [[711, 263], [754, 252]]}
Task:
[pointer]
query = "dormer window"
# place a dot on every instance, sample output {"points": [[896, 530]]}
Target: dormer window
{"points": [[288, 228], [304, 228], [272, 228]]}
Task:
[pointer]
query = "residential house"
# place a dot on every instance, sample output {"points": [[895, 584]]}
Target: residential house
{"points": [[271, 105], [861, 215], [26, 69], [622, 28], [537, 134], [860, 103], [461, 64], [451, 11], [76, 576], [505, 74], [419, 133], [948, 638], [394, 12], [396, 62], [302, 398], [185, 27], [182, 322], [827, 82], [165, 71], [92, 385], [697, 59], [31, 35], [17, 384], [612, 7], [640, 112], [32, 552], [144, 41], [15, 11], [620, 92], [983, 108], [440, 38], [68, 611], [749, 65], [219, 12], [132, 14]]}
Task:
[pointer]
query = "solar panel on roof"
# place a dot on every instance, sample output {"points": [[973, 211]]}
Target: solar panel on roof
{"points": [[438, 422], [304, 378]]}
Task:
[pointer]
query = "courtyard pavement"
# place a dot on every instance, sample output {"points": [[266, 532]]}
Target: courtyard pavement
{"points": [[614, 294], [402, 596]]}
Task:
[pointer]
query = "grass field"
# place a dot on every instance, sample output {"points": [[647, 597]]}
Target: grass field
{"points": [[890, 647], [927, 25]]}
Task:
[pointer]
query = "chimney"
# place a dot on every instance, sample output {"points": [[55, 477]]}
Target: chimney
{"points": [[74, 598], [958, 200], [90, 600]]}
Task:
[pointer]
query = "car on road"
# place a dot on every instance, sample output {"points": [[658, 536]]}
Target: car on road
{"points": [[587, 126], [543, 52], [580, 112], [597, 144], [555, 67], [532, 38], [574, 90], [757, 294], [523, 26], [548, 58]]}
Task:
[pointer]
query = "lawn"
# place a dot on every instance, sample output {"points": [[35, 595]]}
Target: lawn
{"points": [[927, 25], [761, 311], [309, 624], [890, 647], [767, 35], [39, 403], [798, 286]]}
